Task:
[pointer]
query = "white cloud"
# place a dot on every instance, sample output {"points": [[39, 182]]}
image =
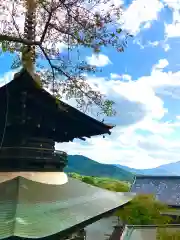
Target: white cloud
{"points": [[166, 47], [173, 29], [140, 12], [154, 44], [129, 148], [124, 77], [115, 76], [173, 4], [104, 5], [161, 43], [99, 60], [140, 139], [138, 41], [7, 77], [59, 46], [147, 25], [161, 64]]}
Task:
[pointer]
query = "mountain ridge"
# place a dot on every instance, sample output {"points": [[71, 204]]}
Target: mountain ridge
{"points": [[165, 169], [86, 166]]}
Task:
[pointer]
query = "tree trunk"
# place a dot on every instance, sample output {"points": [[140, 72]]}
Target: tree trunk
{"points": [[28, 55]]}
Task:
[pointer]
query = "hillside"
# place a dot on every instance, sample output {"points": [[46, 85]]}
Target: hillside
{"points": [[106, 183], [85, 166], [88, 167]]}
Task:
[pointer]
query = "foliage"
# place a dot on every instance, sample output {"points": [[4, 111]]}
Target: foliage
{"points": [[106, 183], [167, 234], [49, 25], [144, 210], [85, 166]]}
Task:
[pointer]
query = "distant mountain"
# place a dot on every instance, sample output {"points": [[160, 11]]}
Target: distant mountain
{"points": [[174, 168], [86, 166], [166, 169]]}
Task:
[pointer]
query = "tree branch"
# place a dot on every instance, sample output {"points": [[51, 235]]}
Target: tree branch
{"points": [[4, 37], [48, 20], [65, 74], [49, 61], [63, 31], [14, 22], [46, 26]]}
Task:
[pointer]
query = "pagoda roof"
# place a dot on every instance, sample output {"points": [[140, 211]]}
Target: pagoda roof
{"points": [[66, 121], [165, 188], [34, 210]]}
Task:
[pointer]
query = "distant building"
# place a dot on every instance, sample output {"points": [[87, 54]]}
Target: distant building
{"points": [[146, 232], [102, 229], [165, 188], [117, 233]]}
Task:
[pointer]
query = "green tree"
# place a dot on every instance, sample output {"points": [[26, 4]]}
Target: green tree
{"points": [[113, 185], [105, 183], [144, 210], [89, 180], [167, 234], [34, 30]]}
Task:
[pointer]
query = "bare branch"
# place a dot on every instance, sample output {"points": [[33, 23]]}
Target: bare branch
{"points": [[65, 74], [48, 22], [18, 40], [14, 22], [46, 27], [49, 61]]}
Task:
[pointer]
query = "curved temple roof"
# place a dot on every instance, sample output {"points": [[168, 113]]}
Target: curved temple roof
{"points": [[165, 188], [57, 119], [35, 210]]}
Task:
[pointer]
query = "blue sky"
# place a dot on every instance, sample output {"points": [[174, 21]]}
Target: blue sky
{"points": [[144, 81]]}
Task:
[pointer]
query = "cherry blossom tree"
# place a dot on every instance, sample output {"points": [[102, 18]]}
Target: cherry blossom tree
{"points": [[35, 31]]}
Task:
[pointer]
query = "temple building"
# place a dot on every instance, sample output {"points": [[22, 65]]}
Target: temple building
{"points": [[102, 229], [165, 188], [33, 120], [37, 200]]}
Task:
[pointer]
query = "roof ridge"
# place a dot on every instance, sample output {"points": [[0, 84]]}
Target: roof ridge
{"points": [[157, 176]]}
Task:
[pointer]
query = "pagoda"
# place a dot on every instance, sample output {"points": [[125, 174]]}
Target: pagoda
{"points": [[33, 120], [37, 200]]}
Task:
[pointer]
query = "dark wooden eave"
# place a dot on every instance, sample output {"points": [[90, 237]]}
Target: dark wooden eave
{"points": [[67, 122]]}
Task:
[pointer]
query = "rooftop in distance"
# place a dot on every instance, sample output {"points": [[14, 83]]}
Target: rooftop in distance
{"points": [[165, 188], [146, 232]]}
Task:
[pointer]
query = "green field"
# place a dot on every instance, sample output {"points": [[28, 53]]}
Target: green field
{"points": [[106, 183]]}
